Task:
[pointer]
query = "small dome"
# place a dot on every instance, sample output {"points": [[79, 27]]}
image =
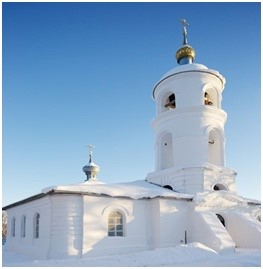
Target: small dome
{"points": [[91, 167], [91, 170], [185, 52]]}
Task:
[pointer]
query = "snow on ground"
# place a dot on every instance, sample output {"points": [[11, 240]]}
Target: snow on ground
{"points": [[194, 254]]}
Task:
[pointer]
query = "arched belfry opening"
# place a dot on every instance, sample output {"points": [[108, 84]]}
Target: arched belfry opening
{"points": [[215, 147], [166, 151], [168, 187], [168, 102], [211, 97], [222, 220], [219, 187], [208, 100]]}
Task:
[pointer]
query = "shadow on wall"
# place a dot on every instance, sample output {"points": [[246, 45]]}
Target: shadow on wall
{"points": [[153, 226]]}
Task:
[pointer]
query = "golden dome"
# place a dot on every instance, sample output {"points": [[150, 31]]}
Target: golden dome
{"points": [[185, 51]]}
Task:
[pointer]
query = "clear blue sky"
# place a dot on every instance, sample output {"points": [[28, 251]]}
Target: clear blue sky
{"points": [[82, 73]]}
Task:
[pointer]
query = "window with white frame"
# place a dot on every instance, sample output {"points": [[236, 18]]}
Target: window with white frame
{"points": [[36, 225], [23, 226], [13, 227], [115, 224]]}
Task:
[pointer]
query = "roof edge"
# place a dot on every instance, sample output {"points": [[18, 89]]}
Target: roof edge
{"points": [[52, 192], [207, 71], [26, 200], [118, 196]]}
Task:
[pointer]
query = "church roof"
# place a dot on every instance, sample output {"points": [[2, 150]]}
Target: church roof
{"points": [[139, 189]]}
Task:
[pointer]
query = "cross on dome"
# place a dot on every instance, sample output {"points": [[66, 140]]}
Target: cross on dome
{"points": [[185, 54], [185, 24], [91, 170], [90, 146]]}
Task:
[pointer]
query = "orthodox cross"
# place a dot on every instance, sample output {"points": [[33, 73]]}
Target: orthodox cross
{"points": [[90, 151], [185, 24]]}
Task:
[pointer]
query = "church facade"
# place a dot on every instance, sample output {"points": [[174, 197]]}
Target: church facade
{"points": [[190, 197]]}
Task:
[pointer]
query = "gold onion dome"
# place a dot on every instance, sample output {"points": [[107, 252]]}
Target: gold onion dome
{"points": [[185, 54], [186, 51]]}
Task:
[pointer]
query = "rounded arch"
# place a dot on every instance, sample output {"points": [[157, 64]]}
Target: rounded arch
{"points": [[215, 147], [168, 187], [165, 148], [110, 208], [23, 226], [167, 101], [211, 96], [116, 223], [215, 140], [209, 128], [13, 227], [220, 187], [36, 225]]}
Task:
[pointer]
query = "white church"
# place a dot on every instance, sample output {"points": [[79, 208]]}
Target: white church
{"points": [[190, 197]]}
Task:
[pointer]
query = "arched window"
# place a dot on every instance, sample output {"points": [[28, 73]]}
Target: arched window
{"points": [[168, 187], [170, 102], [208, 100], [166, 151], [13, 227], [211, 97], [115, 224], [219, 187], [222, 220], [215, 147], [23, 226], [36, 225]]}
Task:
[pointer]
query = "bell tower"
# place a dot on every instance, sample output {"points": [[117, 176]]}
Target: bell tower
{"points": [[189, 127]]}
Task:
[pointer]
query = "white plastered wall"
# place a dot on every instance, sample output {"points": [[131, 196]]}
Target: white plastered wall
{"points": [[66, 226], [137, 219], [34, 247], [148, 224]]}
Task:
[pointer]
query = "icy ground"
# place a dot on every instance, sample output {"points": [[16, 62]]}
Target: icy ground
{"points": [[194, 254]]}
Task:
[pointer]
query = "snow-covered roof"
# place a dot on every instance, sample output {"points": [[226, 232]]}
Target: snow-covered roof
{"points": [[221, 198], [218, 199], [141, 189], [135, 190], [193, 67], [185, 67], [252, 201]]}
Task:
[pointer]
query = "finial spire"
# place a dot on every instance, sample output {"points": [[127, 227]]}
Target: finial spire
{"points": [[185, 24], [90, 152], [185, 54]]}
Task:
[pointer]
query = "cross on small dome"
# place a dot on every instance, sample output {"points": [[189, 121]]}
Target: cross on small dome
{"points": [[91, 170], [185, 54]]}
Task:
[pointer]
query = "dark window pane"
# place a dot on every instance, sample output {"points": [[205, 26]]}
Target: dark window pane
{"points": [[119, 233], [115, 224], [110, 233]]}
